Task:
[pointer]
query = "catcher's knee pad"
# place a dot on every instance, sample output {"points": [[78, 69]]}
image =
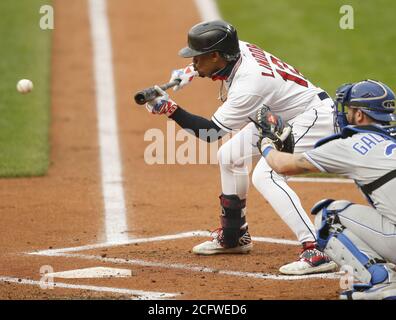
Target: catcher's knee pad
{"points": [[332, 239], [233, 220], [327, 221]]}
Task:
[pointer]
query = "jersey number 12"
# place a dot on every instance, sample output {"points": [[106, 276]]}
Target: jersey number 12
{"points": [[294, 75]]}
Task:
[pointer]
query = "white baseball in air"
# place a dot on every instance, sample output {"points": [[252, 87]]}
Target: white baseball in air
{"points": [[24, 86]]}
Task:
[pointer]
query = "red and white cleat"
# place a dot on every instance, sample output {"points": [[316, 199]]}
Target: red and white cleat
{"points": [[311, 260]]}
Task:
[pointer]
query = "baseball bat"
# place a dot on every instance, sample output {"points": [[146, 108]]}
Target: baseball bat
{"points": [[150, 93]]}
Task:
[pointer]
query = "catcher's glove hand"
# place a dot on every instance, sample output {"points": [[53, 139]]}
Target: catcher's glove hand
{"points": [[273, 131]]}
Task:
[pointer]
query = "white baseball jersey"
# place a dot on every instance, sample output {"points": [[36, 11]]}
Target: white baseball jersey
{"points": [[260, 78]]}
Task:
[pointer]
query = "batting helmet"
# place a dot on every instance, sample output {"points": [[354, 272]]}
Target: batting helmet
{"points": [[211, 36], [374, 98]]}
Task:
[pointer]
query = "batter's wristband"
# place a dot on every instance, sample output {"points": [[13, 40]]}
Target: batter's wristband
{"points": [[267, 150], [170, 108]]}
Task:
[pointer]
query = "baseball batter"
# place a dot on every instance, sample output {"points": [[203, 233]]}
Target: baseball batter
{"points": [[251, 78], [358, 236]]}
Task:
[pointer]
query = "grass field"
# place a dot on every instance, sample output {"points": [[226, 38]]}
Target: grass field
{"points": [[307, 35], [24, 119]]}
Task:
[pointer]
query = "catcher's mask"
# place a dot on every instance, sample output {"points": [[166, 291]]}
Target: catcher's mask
{"points": [[372, 97]]}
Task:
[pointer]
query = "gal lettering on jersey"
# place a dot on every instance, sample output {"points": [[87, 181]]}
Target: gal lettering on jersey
{"points": [[366, 143], [390, 149]]}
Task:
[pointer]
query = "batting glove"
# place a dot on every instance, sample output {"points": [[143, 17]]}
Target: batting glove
{"points": [[185, 76], [162, 104]]}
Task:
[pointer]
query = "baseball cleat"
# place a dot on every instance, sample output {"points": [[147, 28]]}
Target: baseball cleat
{"points": [[311, 261], [379, 291], [215, 246]]}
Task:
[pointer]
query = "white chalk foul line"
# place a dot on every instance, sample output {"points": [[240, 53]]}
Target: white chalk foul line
{"points": [[195, 268], [138, 294], [197, 233], [207, 10], [112, 188], [123, 243], [319, 180], [276, 241]]}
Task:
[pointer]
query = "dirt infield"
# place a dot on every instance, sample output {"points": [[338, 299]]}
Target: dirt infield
{"points": [[65, 208]]}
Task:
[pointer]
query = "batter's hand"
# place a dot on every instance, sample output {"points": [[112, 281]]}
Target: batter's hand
{"points": [[185, 76], [162, 104]]}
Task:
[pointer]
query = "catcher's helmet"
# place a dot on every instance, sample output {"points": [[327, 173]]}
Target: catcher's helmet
{"points": [[374, 98], [211, 36]]}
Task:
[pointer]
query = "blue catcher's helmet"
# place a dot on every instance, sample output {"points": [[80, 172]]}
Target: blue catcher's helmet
{"points": [[374, 98]]}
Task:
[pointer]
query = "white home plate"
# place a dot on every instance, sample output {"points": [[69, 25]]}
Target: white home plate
{"points": [[97, 272]]}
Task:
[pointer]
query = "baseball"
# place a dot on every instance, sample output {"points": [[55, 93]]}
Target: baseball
{"points": [[24, 86]]}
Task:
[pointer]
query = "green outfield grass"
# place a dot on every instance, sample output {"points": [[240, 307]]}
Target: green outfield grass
{"points": [[24, 119], [306, 34]]}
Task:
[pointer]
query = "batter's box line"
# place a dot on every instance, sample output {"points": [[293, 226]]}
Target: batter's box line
{"points": [[189, 234], [135, 294], [66, 253], [194, 268]]}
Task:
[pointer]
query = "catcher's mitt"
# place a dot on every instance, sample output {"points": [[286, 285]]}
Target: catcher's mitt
{"points": [[273, 130]]}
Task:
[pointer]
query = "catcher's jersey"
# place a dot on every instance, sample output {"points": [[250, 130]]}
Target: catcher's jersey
{"points": [[260, 78], [364, 157]]}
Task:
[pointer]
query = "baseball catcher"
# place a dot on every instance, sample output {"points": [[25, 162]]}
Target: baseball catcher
{"points": [[362, 237]]}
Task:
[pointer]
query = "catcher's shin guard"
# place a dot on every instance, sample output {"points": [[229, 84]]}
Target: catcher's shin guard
{"points": [[334, 241], [233, 220], [344, 252]]}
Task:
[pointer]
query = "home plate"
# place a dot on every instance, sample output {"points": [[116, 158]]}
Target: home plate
{"points": [[97, 272]]}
